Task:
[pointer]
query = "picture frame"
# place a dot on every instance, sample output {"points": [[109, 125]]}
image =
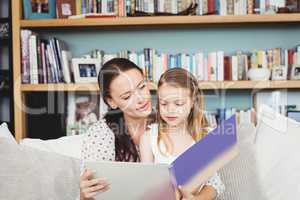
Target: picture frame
{"points": [[39, 9], [65, 8], [295, 73], [279, 72], [83, 110], [86, 70]]}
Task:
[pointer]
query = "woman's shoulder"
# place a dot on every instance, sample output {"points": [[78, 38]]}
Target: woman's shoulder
{"points": [[99, 128]]}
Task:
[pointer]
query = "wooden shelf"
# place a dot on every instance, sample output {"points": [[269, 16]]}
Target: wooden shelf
{"points": [[210, 85], [161, 20], [60, 87], [204, 85]]}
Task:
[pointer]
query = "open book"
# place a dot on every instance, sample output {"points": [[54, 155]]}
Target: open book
{"points": [[141, 181]]}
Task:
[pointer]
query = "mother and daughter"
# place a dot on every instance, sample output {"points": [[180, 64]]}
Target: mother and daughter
{"points": [[130, 131]]}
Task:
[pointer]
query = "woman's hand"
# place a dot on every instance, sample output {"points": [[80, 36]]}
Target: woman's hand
{"points": [[90, 187]]}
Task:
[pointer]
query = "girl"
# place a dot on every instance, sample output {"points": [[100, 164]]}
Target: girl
{"points": [[181, 122]]}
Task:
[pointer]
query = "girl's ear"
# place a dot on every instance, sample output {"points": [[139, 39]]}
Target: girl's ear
{"points": [[111, 103]]}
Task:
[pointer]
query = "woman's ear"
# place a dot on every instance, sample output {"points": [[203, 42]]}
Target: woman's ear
{"points": [[111, 103]]}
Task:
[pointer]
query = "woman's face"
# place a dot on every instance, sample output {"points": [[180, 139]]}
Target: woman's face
{"points": [[130, 93]]}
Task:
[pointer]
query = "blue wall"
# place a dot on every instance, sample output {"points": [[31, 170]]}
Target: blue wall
{"points": [[192, 39]]}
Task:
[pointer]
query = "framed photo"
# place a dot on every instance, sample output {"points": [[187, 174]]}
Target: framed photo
{"points": [[83, 111], [295, 73], [279, 72], [86, 70], [65, 8], [4, 29], [39, 9]]}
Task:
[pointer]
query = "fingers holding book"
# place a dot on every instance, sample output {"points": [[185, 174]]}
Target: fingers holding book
{"points": [[90, 187]]}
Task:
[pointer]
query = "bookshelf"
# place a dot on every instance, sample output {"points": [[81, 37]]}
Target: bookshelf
{"points": [[120, 22]]}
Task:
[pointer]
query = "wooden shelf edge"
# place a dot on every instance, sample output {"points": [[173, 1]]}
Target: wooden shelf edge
{"points": [[162, 20], [59, 87], [204, 85]]}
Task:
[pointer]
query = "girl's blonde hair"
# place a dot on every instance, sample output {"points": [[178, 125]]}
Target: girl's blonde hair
{"points": [[197, 123]]}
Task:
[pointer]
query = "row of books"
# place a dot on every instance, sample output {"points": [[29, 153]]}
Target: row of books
{"points": [[213, 66], [44, 60], [50, 61], [122, 8], [243, 116]]}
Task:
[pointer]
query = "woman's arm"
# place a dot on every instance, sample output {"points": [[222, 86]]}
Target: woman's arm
{"points": [[98, 144], [145, 148]]}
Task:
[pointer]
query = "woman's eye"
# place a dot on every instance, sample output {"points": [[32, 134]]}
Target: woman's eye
{"points": [[126, 97], [142, 86], [179, 104]]}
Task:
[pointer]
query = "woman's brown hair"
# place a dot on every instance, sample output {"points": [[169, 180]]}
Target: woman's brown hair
{"points": [[124, 147], [197, 123]]}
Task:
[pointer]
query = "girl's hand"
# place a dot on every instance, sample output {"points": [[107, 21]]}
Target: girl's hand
{"points": [[90, 187], [185, 195]]}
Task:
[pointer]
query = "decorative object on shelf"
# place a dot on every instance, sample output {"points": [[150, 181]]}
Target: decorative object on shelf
{"points": [[279, 72], [4, 80], [4, 29], [39, 9], [83, 110], [295, 75], [65, 8], [259, 74], [86, 70]]}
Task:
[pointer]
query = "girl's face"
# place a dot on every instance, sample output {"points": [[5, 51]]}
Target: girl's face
{"points": [[175, 104], [129, 92]]}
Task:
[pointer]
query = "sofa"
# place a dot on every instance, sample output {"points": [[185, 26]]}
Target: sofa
{"points": [[267, 166]]}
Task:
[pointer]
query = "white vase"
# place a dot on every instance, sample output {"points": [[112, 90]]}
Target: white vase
{"points": [[259, 74]]}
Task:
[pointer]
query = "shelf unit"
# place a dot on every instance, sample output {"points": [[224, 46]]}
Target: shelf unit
{"points": [[119, 22]]}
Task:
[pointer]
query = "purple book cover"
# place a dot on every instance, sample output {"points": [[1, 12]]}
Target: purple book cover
{"points": [[206, 156]]}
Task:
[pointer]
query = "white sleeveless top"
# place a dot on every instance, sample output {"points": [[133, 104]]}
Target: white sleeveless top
{"points": [[215, 181]]}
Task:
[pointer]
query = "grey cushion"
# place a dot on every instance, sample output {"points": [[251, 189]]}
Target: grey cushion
{"points": [[31, 174], [240, 175]]}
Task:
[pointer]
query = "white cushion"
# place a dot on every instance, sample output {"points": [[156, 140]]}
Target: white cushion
{"points": [[277, 147], [240, 175], [5, 133], [67, 146], [31, 174]]}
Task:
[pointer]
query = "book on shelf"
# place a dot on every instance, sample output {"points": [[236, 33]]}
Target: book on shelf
{"points": [[44, 60], [190, 170]]}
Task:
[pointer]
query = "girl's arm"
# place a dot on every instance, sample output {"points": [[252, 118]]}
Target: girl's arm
{"points": [[145, 148]]}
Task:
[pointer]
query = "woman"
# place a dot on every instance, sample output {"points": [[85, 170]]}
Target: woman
{"points": [[117, 136]]}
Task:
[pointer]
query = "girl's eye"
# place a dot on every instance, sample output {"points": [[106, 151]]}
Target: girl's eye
{"points": [[179, 104], [163, 104]]}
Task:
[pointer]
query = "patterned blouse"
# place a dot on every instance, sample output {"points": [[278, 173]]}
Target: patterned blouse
{"points": [[98, 144]]}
